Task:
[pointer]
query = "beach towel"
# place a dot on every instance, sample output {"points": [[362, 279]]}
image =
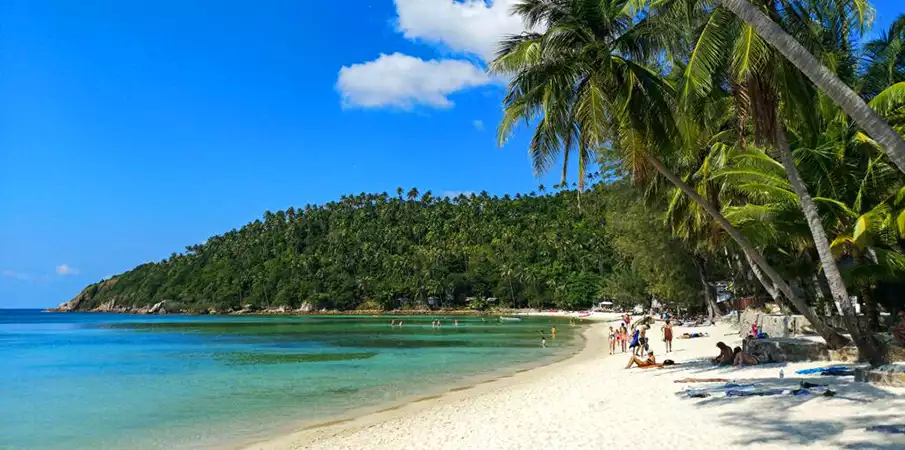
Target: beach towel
{"points": [[797, 392], [830, 371], [747, 393], [702, 380], [634, 342], [894, 429]]}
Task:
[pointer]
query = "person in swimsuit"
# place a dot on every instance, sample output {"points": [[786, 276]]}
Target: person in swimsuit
{"points": [[725, 357], [667, 336], [643, 363], [742, 359], [642, 340], [612, 341], [623, 332]]}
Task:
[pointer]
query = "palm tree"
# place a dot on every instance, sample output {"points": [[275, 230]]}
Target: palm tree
{"points": [[583, 82], [763, 85], [823, 78], [884, 59]]}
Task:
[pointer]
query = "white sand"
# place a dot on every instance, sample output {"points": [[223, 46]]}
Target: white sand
{"points": [[591, 402]]}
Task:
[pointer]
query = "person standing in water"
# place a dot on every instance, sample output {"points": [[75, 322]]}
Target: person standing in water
{"points": [[543, 339], [553, 332]]}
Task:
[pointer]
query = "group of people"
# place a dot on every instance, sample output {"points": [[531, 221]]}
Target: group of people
{"points": [[639, 346], [639, 343], [733, 356]]}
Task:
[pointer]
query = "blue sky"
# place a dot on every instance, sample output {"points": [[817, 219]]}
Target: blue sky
{"points": [[129, 130]]}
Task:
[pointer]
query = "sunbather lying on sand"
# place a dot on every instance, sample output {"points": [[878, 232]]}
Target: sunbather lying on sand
{"points": [[644, 363], [725, 357], [742, 359], [692, 335]]}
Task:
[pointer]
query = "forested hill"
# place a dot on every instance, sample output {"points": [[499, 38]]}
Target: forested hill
{"points": [[379, 251]]}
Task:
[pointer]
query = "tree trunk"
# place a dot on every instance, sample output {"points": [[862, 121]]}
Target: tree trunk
{"points": [[712, 308], [865, 342], [832, 338], [871, 309], [770, 287], [823, 78]]}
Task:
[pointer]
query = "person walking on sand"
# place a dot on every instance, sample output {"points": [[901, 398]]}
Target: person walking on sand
{"points": [[633, 346], [667, 335], [642, 340]]}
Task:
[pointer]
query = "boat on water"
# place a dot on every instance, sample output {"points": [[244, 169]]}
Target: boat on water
{"points": [[510, 319]]}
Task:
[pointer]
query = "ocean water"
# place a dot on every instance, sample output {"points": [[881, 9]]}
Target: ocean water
{"points": [[95, 381]]}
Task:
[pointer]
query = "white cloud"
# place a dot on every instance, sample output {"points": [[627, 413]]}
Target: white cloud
{"points": [[403, 81], [64, 269], [465, 26], [478, 124], [16, 275]]}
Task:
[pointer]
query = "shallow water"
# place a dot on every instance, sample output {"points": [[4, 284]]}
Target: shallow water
{"points": [[80, 380]]}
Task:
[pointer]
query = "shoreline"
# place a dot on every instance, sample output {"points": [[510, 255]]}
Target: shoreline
{"points": [[308, 433], [354, 312], [590, 401]]}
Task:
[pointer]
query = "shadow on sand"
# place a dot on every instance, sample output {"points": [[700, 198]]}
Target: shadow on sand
{"points": [[775, 422]]}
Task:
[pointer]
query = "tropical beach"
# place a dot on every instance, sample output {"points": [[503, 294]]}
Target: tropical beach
{"points": [[590, 401], [452, 224]]}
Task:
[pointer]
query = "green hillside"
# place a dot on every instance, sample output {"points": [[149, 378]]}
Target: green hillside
{"points": [[384, 251]]}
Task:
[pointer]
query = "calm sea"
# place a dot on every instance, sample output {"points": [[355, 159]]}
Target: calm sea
{"points": [[79, 380]]}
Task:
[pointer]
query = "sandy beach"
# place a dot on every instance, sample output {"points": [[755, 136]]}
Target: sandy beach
{"points": [[590, 401]]}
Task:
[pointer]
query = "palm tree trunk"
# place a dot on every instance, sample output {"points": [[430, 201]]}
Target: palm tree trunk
{"points": [[871, 309], [712, 308], [769, 286], [823, 293], [823, 78], [865, 342], [832, 338]]}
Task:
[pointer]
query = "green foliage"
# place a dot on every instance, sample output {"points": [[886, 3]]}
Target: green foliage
{"points": [[651, 262], [375, 251]]}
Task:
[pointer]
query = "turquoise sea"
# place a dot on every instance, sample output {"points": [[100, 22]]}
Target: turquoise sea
{"points": [[95, 381]]}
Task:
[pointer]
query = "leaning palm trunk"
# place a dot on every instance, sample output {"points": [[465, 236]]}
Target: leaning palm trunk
{"points": [[867, 346], [713, 309], [823, 78], [832, 338], [770, 287]]}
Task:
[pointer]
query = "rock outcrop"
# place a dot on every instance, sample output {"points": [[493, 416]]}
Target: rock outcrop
{"points": [[78, 303], [774, 325]]}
